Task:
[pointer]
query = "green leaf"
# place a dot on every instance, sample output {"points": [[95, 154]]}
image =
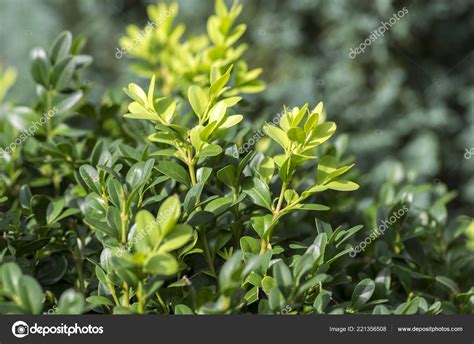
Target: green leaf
{"points": [[276, 299], [265, 169], [203, 174], [51, 269], [282, 275], [228, 271], [115, 191], [62, 73], [147, 233], [409, 308], [268, 283], [219, 205], [327, 165], [198, 100], [183, 310], [382, 282], [219, 84], [380, 310], [71, 302], [25, 196], [297, 135], [39, 206], [98, 300], [82, 61], [251, 296], [162, 264], [323, 132], [54, 210], [262, 225], [230, 121], [138, 112], [327, 169], [165, 108], [151, 92], [67, 213], [342, 185], [217, 112], [232, 101], [448, 283], [362, 293], [121, 310], [136, 93], [201, 218], [174, 171], [168, 214], [209, 150], [69, 102], [249, 244], [318, 248], [61, 46], [178, 237], [32, 246], [258, 192], [31, 295], [91, 177], [314, 207], [11, 275], [286, 169], [311, 122], [140, 173], [40, 66], [114, 221], [193, 197], [277, 135], [322, 301], [227, 176], [340, 171], [163, 137]]}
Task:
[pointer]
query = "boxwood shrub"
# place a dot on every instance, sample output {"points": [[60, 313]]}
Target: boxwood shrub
{"points": [[167, 198]]}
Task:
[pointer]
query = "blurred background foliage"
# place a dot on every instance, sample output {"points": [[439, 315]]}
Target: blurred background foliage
{"points": [[407, 103]]}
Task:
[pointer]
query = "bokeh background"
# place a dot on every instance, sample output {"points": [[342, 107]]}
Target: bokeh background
{"points": [[407, 101]]}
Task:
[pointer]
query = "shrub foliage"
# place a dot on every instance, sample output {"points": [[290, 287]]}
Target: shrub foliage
{"points": [[171, 201]]}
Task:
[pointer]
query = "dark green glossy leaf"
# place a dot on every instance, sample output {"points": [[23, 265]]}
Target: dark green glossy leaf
{"points": [[174, 171]]}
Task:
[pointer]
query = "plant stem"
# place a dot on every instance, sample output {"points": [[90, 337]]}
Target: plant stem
{"points": [[79, 268], [276, 214], [237, 227], [263, 246], [190, 163], [207, 251], [280, 200], [114, 294], [141, 299], [202, 231], [126, 294], [192, 173], [162, 303], [49, 125], [123, 217], [124, 220]]}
